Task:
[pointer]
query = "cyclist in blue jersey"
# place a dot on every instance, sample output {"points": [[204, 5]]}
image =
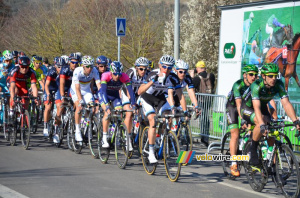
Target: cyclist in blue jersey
{"points": [[51, 85], [111, 83]]}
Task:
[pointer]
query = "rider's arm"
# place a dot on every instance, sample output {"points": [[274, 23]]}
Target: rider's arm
{"points": [[78, 92], [102, 92], [33, 84], [62, 82], [191, 90], [238, 106], [181, 99], [289, 109], [144, 87], [272, 109], [131, 93], [170, 97], [257, 110]]}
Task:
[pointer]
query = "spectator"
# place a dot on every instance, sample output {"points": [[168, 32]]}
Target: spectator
{"points": [[204, 83]]}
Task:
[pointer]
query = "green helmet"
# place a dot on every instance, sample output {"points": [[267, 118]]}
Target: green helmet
{"points": [[269, 68], [249, 68], [7, 55]]}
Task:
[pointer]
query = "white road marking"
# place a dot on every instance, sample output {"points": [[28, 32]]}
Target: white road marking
{"points": [[6, 192]]}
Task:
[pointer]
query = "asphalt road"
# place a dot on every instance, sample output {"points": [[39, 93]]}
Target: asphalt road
{"points": [[46, 171]]}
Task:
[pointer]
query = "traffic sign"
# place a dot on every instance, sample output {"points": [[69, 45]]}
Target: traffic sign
{"points": [[120, 26]]}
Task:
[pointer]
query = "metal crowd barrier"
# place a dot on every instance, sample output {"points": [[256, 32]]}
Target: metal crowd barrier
{"points": [[212, 123], [290, 131]]}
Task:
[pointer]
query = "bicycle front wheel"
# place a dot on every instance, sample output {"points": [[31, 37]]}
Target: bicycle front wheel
{"points": [[5, 122], [144, 148], [70, 133], [257, 178], [12, 130], [185, 139], [121, 148], [25, 130], [93, 138], [225, 150], [171, 152], [287, 171]]}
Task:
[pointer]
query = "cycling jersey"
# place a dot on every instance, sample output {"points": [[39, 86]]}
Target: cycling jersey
{"points": [[238, 89], [259, 91], [3, 78], [53, 77], [20, 79], [187, 81], [136, 81], [83, 80], [109, 87], [67, 74], [39, 76]]}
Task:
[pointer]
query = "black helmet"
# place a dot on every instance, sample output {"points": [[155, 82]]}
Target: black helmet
{"points": [[24, 61]]}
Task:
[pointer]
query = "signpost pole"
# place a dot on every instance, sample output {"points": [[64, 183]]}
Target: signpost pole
{"points": [[119, 48]]}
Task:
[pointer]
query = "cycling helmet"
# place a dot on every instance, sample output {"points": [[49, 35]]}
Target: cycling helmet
{"points": [[109, 61], [24, 61], [21, 54], [66, 58], [15, 53], [249, 68], [142, 61], [60, 62], [74, 56], [102, 60], [116, 67], [87, 60], [55, 59], [269, 68], [180, 64], [36, 59], [167, 60], [7, 55]]}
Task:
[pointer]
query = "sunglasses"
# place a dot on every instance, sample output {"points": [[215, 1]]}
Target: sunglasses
{"points": [[182, 72], [142, 69], [38, 62], [117, 74], [167, 67], [252, 74], [272, 76], [73, 62], [89, 66], [23, 66]]}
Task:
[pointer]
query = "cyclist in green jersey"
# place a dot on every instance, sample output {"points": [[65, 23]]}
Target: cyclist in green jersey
{"points": [[254, 106], [40, 76], [234, 101]]}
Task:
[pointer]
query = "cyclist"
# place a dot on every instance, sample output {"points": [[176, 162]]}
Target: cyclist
{"points": [[51, 86], [111, 83], [81, 89], [153, 92], [137, 75], [3, 78], [233, 105], [181, 70], [36, 62], [101, 65], [18, 78], [254, 106], [66, 58], [8, 60], [65, 81]]}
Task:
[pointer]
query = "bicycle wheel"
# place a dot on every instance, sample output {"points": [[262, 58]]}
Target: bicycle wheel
{"points": [[12, 130], [103, 152], [77, 146], [34, 113], [225, 150], [287, 171], [257, 178], [25, 130], [93, 138], [60, 132], [185, 139], [121, 148], [171, 152], [70, 133], [144, 147], [5, 122]]}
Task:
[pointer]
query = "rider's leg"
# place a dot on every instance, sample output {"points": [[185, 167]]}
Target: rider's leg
{"points": [[78, 136], [46, 117], [105, 122], [128, 123]]}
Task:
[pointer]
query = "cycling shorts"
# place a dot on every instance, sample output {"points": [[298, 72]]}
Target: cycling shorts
{"points": [[57, 98], [87, 97], [232, 116], [148, 106], [248, 113], [114, 99]]}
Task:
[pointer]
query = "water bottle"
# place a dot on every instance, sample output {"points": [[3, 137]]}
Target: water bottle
{"points": [[136, 127], [241, 144], [264, 151], [270, 150], [157, 141]]}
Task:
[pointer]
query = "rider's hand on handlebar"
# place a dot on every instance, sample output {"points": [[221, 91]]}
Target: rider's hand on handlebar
{"points": [[243, 123], [297, 125], [264, 129]]}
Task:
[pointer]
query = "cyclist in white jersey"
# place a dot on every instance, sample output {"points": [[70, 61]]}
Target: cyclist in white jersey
{"points": [[137, 76], [81, 90], [153, 93]]}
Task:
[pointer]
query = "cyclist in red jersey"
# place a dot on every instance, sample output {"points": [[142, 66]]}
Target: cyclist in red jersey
{"points": [[18, 77]]}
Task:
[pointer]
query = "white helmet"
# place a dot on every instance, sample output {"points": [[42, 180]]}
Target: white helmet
{"points": [[142, 61], [180, 64], [79, 54], [66, 58], [87, 60], [7, 55], [167, 60]]}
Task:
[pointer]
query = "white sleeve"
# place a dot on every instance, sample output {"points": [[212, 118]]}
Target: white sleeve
{"points": [[75, 77]]}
